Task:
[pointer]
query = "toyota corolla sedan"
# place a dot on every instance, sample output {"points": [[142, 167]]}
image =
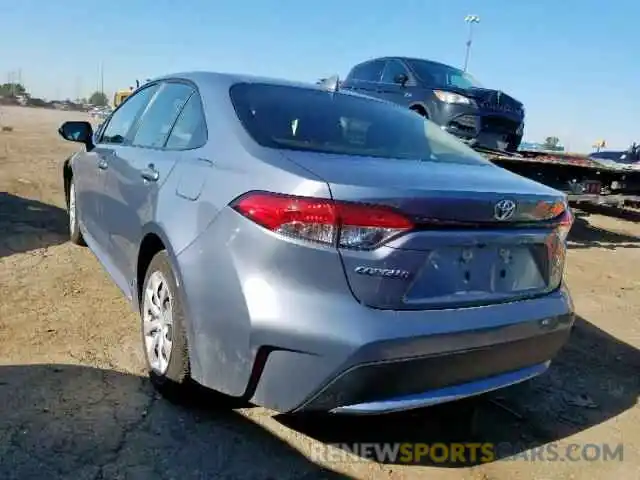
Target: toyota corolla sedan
{"points": [[308, 249]]}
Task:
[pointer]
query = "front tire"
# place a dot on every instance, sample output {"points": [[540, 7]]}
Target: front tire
{"points": [[75, 236], [163, 328]]}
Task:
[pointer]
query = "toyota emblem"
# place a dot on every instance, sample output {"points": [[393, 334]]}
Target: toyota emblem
{"points": [[504, 210]]}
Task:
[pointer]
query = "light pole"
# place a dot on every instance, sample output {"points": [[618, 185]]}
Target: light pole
{"points": [[470, 19]]}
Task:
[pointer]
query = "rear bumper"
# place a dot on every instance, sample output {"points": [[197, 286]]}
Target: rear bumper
{"points": [[443, 395], [419, 381], [392, 374]]}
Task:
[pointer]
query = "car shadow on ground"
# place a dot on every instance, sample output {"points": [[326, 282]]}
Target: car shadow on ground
{"points": [[27, 224], [593, 379], [585, 235], [75, 422]]}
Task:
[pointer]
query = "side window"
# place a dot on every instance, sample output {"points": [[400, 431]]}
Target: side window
{"points": [[392, 69], [369, 72], [157, 120], [124, 117], [190, 130]]}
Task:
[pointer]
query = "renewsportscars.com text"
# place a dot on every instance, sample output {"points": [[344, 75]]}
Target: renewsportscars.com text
{"points": [[466, 453]]}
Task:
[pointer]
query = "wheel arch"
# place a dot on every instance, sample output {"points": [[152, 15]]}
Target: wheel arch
{"points": [[420, 108], [67, 174], [154, 240]]}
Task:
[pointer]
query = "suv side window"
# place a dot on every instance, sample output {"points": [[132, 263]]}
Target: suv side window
{"points": [[157, 120], [368, 72], [121, 121], [392, 69], [190, 130]]}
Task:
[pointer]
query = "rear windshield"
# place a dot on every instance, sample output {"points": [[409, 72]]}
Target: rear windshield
{"points": [[298, 118]]}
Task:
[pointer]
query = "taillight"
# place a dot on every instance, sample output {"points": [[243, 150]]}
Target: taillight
{"points": [[557, 248], [564, 225], [345, 224]]}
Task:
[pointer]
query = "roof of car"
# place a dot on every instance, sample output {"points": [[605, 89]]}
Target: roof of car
{"points": [[225, 79], [405, 59]]}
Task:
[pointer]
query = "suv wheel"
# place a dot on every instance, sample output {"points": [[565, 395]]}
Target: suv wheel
{"points": [[163, 328]]}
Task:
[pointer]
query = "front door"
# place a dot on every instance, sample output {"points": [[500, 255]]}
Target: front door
{"points": [[112, 138], [389, 89], [89, 179], [137, 171]]}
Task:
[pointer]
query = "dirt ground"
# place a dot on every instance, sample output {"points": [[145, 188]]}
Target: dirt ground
{"points": [[74, 401]]}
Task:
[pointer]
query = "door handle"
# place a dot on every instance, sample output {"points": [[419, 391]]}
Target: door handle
{"points": [[150, 173], [103, 164]]}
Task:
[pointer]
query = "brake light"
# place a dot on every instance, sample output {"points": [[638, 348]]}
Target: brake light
{"points": [[345, 224], [564, 225], [557, 248]]}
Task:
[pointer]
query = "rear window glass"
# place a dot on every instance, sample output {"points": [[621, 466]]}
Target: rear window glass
{"points": [[298, 118]]}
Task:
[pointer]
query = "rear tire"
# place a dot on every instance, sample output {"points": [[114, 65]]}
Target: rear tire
{"points": [[75, 236], [164, 338]]}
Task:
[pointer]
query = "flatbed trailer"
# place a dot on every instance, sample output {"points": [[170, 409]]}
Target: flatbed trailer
{"points": [[581, 178]]}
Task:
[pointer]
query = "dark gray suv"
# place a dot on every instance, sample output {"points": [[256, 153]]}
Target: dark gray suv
{"points": [[448, 96]]}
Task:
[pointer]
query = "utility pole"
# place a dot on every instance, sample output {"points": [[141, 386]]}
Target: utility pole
{"points": [[101, 78], [78, 93], [12, 85], [470, 19]]}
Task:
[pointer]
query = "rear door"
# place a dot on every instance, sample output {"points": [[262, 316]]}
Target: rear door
{"points": [[138, 170]]}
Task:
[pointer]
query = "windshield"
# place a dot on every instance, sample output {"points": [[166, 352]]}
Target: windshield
{"points": [[439, 75], [297, 118]]}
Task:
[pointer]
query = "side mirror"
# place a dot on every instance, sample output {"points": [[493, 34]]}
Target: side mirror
{"points": [[401, 79], [80, 132]]}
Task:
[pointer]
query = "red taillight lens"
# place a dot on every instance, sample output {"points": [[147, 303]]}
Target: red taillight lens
{"points": [[564, 226], [557, 248], [349, 225]]}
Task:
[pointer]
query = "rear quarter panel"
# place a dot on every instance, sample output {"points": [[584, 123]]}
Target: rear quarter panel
{"points": [[189, 215]]}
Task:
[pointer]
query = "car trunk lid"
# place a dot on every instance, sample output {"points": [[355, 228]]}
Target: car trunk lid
{"points": [[480, 234]]}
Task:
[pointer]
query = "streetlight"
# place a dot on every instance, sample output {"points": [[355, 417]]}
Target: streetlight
{"points": [[470, 19]]}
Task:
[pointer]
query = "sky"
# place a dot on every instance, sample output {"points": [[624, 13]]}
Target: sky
{"points": [[572, 63]]}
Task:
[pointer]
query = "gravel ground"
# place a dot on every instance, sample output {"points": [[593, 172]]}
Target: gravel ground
{"points": [[76, 404]]}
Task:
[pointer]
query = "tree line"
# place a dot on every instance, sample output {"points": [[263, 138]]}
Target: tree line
{"points": [[97, 98]]}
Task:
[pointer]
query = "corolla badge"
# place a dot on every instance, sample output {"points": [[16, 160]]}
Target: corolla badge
{"points": [[382, 272], [504, 210]]}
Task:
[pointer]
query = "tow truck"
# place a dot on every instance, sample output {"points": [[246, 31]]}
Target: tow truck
{"points": [[582, 178], [121, 95]]}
